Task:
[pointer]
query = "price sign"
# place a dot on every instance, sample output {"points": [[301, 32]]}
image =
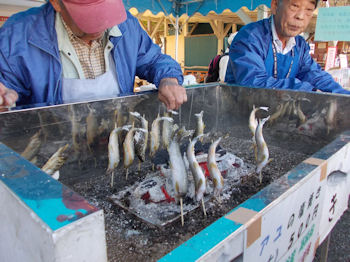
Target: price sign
{"points": [[331, 54], [333, 24], [289, 228]]}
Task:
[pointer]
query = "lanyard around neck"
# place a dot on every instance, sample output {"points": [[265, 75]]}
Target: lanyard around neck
{"points": [[274, 50]]}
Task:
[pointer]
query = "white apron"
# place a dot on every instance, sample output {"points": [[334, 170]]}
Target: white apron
{"points": [[103, 87]]}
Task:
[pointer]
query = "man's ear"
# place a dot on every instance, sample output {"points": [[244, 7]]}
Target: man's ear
{"points": [[274, 4], [56, 5]]}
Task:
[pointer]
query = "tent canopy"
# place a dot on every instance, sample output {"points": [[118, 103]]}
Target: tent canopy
{"points": [[189, 7]]}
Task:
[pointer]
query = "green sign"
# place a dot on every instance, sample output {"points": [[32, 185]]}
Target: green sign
{"points": [[333, 24]]}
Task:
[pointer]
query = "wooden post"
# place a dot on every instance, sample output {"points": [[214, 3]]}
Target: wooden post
{"points": [[155, 30], [220, 36], [165, 27]]}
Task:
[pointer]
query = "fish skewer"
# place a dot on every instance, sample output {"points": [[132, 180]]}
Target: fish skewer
{"points": [[154, 142], [330, 118], [77, 132], [200, 125], [214, 171], [55, 162], [33, 146], [253, 124], [177, 165], [141, 138], [263, 151], [113, 152], [129, 148], [197, 172], [300, 113], [167, 128], [155, 133], [91, 129]]}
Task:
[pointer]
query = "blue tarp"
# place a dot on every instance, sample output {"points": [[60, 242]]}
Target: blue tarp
{"points": [[190, 7]]}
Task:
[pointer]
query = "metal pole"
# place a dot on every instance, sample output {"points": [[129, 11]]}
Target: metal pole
{"points": [[325, 248], [176, 36]]}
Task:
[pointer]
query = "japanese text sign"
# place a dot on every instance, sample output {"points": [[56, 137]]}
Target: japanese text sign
{"points": [[333, 24]]}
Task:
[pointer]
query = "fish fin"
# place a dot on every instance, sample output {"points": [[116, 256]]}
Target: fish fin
{"points": [[215, 182], [199, 183], [177, 188]]}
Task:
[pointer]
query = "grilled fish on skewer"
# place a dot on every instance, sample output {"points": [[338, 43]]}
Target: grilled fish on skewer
{"points": [[155, 134], [330, 118], [113, 152], [200, 125], [33, 146], [197, 172], [263, 151], [167, 128], [91, 127], [214, 171], [141, 138], [177, 165], [129, 149], [253, 124], [56, 161], [77, 131], [300, 113]]}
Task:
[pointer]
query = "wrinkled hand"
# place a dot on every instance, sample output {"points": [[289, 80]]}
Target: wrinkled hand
{"points": [[171, 93], [7, 98]]}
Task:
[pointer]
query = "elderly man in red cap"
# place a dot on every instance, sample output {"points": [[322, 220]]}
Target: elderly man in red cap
{"points": [[79, 50]]}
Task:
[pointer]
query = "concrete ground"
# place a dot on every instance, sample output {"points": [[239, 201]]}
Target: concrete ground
{"points": [[339, 246]]}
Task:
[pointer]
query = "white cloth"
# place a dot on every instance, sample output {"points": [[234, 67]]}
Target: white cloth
{"points": [[103, 87], [223, 67], [278, 43], [189, 80]]}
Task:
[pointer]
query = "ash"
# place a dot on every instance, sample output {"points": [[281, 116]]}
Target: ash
{"points": [[131, 237], [151, 200]]}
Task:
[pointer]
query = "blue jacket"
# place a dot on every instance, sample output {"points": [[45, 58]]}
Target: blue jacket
{"points": [[30, 61], [247, 67]]}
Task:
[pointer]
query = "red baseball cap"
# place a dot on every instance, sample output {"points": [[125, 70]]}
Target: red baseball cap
{"points": [[93, 16]]}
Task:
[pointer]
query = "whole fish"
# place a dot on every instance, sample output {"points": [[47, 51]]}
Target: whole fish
{"points": [[91, 127], [276, 114], [200, 125], [167, 128], [33, 146], [141, 138], [128, 147], [155, 134], [253, 124], [177, 166], [77, 130], [113, 150], [120, 120], [197, 172], [56, 161], [263, 151], [214, 171], [330, 118], [285, 109], [301, 115], [103, 127]]}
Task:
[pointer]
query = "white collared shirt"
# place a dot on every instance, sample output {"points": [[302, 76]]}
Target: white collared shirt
{"points": [[278, 43]]}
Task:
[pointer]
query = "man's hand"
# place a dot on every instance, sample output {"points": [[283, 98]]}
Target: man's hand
{"points": [[7, 98], [171, 93]]}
